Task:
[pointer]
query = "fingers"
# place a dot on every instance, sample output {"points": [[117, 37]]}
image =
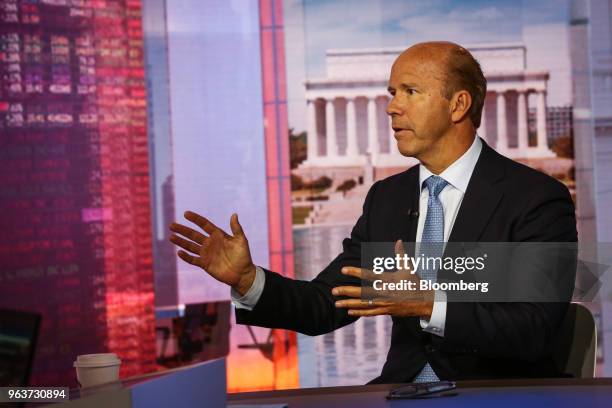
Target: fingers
{"points": [[399, 247], [202, 222], [360, 304], [350, 291], [186, 244], [352, 271], [192, 234], [369, 312], [359, 273], [194, 260], [235, 226]]}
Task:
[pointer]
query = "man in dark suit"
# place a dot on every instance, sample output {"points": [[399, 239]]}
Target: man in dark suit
{"points": [[462, 191]]}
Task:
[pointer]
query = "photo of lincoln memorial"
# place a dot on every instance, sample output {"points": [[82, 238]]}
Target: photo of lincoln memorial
{"points": [[349, 137]]}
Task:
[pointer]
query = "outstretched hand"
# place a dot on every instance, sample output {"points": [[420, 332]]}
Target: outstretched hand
{"points": [[225, 257]]}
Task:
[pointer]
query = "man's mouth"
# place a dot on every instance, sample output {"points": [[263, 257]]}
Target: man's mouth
{"points": [[401, 133], [398, 132]]}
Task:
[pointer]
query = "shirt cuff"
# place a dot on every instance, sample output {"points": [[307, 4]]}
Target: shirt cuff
{"points": [[435, 325], [249, 300]]}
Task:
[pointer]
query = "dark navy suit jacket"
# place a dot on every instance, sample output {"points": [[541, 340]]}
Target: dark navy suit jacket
{"points": [[504, 201]]}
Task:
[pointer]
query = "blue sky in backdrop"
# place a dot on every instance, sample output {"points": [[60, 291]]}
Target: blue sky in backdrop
{"points": [[313, 26]]}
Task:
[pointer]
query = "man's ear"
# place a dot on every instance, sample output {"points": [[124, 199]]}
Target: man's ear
{"points": [[460, 104]]}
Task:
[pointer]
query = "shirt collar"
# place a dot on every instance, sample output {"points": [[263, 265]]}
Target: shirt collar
{"points": [[458, 174]]}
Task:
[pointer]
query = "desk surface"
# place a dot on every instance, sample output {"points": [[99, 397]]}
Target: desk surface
{"points": [[575, 393]]}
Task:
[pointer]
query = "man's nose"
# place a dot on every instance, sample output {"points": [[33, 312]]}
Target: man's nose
{"points": [[392, 108]]}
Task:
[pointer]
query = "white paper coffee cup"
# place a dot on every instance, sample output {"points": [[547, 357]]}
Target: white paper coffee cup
{"points": [[96, 369]]}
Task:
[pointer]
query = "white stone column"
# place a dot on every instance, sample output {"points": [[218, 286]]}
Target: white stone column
{"points": [[373, 147], [360, 336], [313, 142], [330, 129], [392, 142], [502, 127], [521, 117], [352, 149], [482, 130], [542, 143], [382, 342], [338, 348]]}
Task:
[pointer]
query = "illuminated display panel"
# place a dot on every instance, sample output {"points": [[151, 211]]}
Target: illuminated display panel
{"points": [[278, 176], [74, 184]]}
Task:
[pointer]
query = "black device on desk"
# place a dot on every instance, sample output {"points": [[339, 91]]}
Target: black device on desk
{"points": [[423, 390], [18, 334]]}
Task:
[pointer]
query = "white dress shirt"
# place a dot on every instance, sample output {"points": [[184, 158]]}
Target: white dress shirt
{"points": [[457, 175]]}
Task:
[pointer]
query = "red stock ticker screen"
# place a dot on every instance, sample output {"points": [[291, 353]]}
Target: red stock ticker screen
{"points": [[74, 185]]}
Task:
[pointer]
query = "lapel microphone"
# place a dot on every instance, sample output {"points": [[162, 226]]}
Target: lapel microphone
{"points": [[412, 213]]}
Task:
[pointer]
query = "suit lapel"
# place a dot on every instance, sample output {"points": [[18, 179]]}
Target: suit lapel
{"points": [[480, 199], [479, 202], [408, 205]]}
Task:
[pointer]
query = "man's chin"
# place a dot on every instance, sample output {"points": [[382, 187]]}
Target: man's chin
{"points": [[406, 149]]}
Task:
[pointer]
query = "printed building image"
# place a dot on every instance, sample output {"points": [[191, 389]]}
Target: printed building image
{"points": [[349, 135]]}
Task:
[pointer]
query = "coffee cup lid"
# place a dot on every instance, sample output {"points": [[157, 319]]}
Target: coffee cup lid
{"points": [[97, 360]]}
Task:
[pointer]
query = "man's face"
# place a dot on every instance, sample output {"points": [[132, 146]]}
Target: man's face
{"points": [[419, 113]]}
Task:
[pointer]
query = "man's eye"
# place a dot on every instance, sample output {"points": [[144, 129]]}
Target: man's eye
{"points": [[410, 91]]}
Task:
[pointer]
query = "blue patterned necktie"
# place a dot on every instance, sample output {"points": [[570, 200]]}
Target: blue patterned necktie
{"points": [[432, 245]]}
